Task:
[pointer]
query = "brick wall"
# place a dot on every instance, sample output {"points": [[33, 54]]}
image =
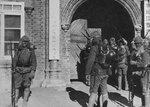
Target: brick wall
{"points": [[35, 29]]}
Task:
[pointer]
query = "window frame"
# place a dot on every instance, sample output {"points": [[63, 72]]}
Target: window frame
{"points": [[21, 13]]}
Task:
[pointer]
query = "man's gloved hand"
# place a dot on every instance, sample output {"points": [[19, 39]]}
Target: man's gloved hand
{"points": [[88, 80], [32, 74]]}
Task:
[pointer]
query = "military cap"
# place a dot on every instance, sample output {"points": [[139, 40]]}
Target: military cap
{"points": [[138, 39], [25, 39]]}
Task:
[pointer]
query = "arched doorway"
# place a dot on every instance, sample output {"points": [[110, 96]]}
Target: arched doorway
{"points": [[115, 17], [130, 6], [110, 16]]}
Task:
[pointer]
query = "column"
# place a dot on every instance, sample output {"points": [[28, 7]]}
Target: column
{"points": [[53, 71]]}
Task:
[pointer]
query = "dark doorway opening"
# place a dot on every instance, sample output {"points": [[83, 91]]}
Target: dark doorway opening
{"points": [[109, 15]]}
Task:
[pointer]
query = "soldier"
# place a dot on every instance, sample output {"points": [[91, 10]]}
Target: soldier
{"points": [[122, 65], [140, 60], [113, 44], [96, 71], [24, 65], [113, 50]]}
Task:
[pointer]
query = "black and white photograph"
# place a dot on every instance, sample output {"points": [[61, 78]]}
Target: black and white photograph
{"points": [[74, 53]]}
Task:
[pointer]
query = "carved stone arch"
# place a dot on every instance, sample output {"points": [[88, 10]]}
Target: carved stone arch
{"points": [[132, 8]]}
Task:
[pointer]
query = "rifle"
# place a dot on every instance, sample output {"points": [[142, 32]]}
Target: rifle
{"points": [[88, 38], [12, 78], [79, 47]]}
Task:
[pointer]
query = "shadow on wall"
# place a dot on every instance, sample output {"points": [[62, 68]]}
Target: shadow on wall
{"points": [[78, 96]]}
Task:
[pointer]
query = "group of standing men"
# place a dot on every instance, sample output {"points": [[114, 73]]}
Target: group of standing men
{"points": [[106, 57]]}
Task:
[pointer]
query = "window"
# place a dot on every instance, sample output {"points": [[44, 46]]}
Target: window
{"points": [[12, 31], [11, 26]]}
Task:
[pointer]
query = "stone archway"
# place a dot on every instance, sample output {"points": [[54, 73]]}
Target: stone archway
{"points": [[72, 6], [129, 5]]}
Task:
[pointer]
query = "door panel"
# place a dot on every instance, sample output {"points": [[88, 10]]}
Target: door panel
{"points": [[77, 46]]}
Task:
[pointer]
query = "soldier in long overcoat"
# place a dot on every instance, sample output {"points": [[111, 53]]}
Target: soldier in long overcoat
{"points": [[24, 65]]}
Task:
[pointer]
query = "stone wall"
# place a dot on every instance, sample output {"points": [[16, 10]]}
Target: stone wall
{"points": [[37, 23]]}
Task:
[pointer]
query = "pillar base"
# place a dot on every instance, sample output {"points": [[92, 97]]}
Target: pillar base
{"points": [[52, 77], [54, 83]]}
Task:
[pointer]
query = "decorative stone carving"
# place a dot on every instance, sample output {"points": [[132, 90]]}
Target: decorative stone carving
{"points": [[138, 29], [65, 27], [29, 6]]}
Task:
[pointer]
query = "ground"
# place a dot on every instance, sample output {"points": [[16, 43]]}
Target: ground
{"points": [[74, 95]]}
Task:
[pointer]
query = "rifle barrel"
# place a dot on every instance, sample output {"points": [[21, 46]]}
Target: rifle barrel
{"points": [[12, 78]]}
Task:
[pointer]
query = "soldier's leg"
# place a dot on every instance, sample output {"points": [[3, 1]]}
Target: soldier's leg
{"points": [[144, 91], [18, 82], [104, 91], [147, 100], [26, 96], [94, 85], [105, 100], [92, 99], [26, 84], [125, 77], [16, 95], [119, 79], [126, 83]]}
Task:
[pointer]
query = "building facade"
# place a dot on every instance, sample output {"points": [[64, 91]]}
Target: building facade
{"points": [[55, 28]]}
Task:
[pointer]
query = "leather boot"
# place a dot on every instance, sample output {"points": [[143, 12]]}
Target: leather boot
{"points": [[119, 83], [126, 83], [26, 96]]}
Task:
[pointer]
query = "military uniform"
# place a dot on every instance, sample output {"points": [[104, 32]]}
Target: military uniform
{"points": [[122, 65], [113, 52], [140, 60], [97, 69], [24, 65]]}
